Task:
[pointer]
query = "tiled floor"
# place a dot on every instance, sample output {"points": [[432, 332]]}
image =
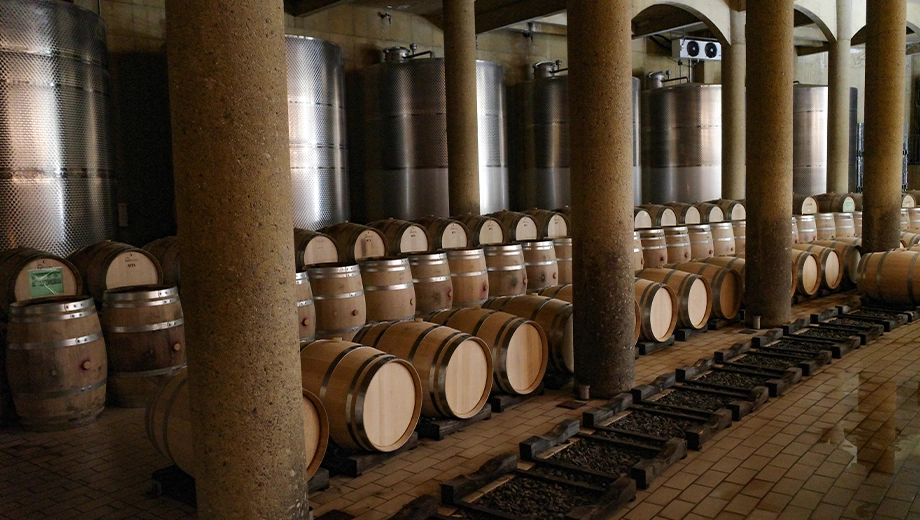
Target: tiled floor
{"points": [[843, 443]]}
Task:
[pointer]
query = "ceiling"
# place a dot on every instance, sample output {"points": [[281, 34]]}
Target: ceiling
{"points": [[658, 21]]}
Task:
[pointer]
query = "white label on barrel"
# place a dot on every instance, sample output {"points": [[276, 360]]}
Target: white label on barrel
{"points": [[809, 206], [46, 282], [849, 205]]}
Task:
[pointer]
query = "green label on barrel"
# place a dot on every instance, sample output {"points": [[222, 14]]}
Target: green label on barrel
{"points": [[46, 282], [849, 206]]}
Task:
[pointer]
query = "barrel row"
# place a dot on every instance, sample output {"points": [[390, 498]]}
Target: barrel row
{"points": [[682, 214], [350, 242], [61, 358]]}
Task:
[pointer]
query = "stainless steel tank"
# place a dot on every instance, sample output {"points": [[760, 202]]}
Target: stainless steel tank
{"points": [[809, 131], [56, 168], [682, 143], [316, 123], [406, 138], [544, 179]]}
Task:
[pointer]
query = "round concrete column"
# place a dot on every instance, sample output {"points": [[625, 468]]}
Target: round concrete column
{"points": [[885, 64], [600, 104], [733, 72], [838, 100], [233, 199], [769, 161], [462, 125]]}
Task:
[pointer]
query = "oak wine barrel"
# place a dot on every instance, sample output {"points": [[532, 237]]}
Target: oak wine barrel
{"points": [[469, 276], [519, 349], [654, 247], [685, 213], [313, 247], [844, 225], [909, 239], [166, 251], [638, 257], [678, 244], [723, 239], [795, 232], [556, 318], [660, 214], [431, 278], [306, 311], [850, 255], [807, 228], [27, 273], [891, 277], [563, 248], [506, 271], [55, 362], [807, 274], [403, 237], [454, 368], [835, 203], [726, 285], [731, 209], [825, 226], [484, 230], [338, 298], [739, 228], [857, 201], [168, 421], [694, 295], [356, 242], [540, 263], [517, 226], [641, 219], [908, 201], [373, 399], [445, 233], [144, 332], [857, 222], [710, 212], [803, 205], [561, 292], [388, 290], [701, 243], [904, 220], [550, 224], [110, 265], [736, 264], [829, 264], [658, 310]]}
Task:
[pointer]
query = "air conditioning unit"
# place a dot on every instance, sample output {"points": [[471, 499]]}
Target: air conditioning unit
{"points": [[696, 49]]}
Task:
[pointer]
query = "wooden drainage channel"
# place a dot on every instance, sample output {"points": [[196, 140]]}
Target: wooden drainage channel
{"points": [[703, 399]]}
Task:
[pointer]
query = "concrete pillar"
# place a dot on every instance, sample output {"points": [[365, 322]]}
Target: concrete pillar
{"points": [[885, 64], [838, 101], [233, 200], [462, 125], [600, 104], [733, 71], [769, 160]]}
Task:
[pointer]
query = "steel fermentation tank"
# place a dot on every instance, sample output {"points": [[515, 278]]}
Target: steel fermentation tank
{"points": [[809, 130], [316, 123], [56, 168], [544, 108], [406, 137], [682, 143]]}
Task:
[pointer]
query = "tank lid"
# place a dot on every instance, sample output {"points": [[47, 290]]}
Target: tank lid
{"points": [[396, 54], [547, 69]]}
